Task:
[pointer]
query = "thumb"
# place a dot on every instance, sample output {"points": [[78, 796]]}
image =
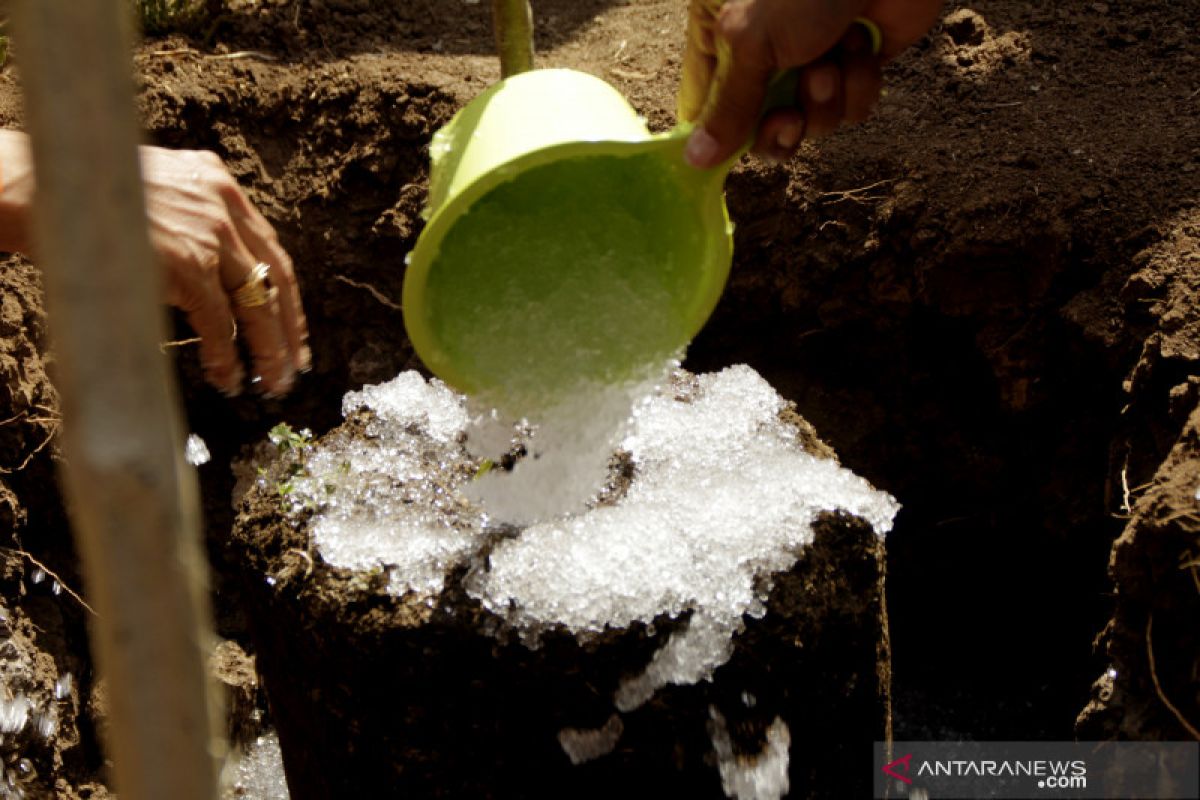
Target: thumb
{"points": [[731, 116], [736, 100]]}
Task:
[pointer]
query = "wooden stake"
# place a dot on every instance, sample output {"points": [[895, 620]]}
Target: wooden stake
{"points": [[513, 23], [133, 501]]}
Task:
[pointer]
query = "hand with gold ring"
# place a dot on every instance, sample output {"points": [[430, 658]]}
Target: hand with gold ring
{"points": [[224, 263], [734, 48], [222, 258]]}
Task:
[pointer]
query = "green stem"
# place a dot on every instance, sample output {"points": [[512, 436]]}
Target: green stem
{"points": [[513, 23]]}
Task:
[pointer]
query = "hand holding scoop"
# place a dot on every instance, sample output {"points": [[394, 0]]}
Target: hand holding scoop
{"points": [[566, 245]]}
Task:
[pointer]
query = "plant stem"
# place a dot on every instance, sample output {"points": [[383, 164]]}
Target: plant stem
{"points": [[513, 23]]}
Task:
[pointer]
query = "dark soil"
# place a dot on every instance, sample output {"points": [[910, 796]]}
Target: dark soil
{"points": [[984, 299]]}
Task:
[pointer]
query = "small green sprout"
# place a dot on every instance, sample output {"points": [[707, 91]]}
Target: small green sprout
{"points": [[291, 445], [285, 439]]}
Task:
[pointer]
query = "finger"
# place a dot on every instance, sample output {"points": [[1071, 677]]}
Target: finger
{"points": [[211, 318], [780, 134], [823, 98], [741, 85], [260, 325], [699, 63], [263, 244], [901, 24], [291, 311], [862, 75], [194, 287]]}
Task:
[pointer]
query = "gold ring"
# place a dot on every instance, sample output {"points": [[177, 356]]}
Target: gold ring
{"points": [[254, 291]]}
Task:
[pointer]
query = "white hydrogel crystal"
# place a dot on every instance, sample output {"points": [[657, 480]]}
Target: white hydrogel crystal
{"points": [[195, 451], [409, 400], [256, 773], [764, 777], [723, 497], [389, 500], [568, 451]]}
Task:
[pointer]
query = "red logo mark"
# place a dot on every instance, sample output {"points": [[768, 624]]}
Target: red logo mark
{"points": [[904, 763]]}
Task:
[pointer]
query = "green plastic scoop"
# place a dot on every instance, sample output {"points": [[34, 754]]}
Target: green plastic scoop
{"points": [[566, 245]]}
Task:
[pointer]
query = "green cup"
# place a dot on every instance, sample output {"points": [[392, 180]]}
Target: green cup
{"points": [[566, 245]]}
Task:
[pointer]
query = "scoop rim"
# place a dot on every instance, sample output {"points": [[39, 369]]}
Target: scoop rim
{"points": [[714, 218]]}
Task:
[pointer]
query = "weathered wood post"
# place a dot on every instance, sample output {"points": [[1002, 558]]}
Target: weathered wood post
{"points": [[133, 501], [513, 23]]}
